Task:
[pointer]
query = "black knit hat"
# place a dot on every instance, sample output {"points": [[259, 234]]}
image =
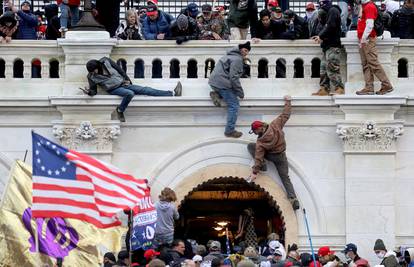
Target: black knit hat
{"points": [[245, 45], [8, 16], [92, 65], [379, 245]]}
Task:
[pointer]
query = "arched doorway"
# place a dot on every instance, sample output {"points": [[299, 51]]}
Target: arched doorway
{"points": [[223, 199]]}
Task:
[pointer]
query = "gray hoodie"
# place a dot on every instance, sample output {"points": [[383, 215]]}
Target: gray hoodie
{"points": [[227, 72], [166, 214]]}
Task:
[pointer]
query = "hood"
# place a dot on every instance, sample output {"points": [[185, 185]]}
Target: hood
{"points": [[411, 252], [391, 5], [234, 51], [390, 253], [51, 11], [164, 205]]}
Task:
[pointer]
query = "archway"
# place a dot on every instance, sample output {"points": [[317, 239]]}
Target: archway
{"points": [[223, 199]]}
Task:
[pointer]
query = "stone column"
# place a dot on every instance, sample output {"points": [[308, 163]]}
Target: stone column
{"points": [[79, 47], [369, 133], [355, 78]]}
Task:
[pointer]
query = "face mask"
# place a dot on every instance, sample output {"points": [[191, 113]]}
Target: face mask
{"points": [[347, 257], [309, 13], [380, 255]]}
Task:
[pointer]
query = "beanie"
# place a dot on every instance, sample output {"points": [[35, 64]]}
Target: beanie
{"points": [[245, 45], [379, 245], [92, 65], [182, 22]]}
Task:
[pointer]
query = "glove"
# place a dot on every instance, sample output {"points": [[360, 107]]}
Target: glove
{"points": [[181, 39]]}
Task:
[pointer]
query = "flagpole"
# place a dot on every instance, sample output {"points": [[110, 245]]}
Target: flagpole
{"points": [[36, 236], [130, 236]]}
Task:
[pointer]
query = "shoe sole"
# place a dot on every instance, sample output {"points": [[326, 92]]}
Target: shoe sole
{"points": [[367, 93], [178, 91], [384, 92], [232, 136]]}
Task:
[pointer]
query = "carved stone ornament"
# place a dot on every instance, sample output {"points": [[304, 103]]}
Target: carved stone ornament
{"points": [[86, 137], [369, 137]]}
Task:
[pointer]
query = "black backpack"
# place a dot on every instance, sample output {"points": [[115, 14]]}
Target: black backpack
{"points": [[379, 23]]}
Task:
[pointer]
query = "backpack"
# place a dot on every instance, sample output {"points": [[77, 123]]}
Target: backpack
{"points": [[379, 23]]}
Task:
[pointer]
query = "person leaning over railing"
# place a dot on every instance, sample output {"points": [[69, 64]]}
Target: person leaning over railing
{"points": [[8, 27], [131, 30], [156, 25], [184, 29], [69, 9]]}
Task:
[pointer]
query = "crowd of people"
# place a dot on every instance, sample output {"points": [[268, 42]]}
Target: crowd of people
{"points": [[241, 21], [244, 250]]}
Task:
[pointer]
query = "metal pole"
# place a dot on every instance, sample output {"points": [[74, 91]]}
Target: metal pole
{"points": [[310, 239], [25, 155]]}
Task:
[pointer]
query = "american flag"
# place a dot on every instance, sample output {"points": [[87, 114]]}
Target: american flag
{"points": [[70, 184]]}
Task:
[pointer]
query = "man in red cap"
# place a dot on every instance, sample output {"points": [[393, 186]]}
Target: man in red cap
{"points": [[271, 145]]}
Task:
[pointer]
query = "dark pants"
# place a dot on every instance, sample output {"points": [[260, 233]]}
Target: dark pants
{"points": [[281, 164]]}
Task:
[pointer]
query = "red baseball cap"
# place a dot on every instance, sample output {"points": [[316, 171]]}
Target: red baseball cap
{"points": [[323, 251], [255, 125], [310, 6], [273, 3], [152, 10], [150, 253]]}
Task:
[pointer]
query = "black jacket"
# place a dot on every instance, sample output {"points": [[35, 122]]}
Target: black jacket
{"points": [[243, 13], [331, 32], [274, 31], [402, 24], [191, 33]]}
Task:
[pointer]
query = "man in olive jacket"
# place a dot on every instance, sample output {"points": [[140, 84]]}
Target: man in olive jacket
{"points": [[388, 258], [271, 145], [225, 82]]}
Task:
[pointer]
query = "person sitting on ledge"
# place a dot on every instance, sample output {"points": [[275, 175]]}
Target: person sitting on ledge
{"points": [[113, 79], [271, 145]]}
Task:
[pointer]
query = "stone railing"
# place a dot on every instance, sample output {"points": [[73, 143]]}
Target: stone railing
{"points": [[53, 68]]}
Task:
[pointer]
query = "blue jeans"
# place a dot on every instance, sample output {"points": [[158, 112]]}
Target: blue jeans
{"points": [[344, 15], [128, 91], [65, 10], [230, 97]]}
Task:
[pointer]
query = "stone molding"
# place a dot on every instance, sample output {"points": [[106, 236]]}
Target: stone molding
{"points": [[370, 137], [86, 136]]}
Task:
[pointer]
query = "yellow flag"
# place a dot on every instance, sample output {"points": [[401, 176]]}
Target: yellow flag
{"points": [[77, 243]]}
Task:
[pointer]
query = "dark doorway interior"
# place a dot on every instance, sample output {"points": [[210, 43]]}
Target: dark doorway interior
{"points": [[223, 200]]}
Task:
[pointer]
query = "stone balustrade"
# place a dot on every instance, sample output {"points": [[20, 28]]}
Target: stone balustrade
{"points": [[44, 68]]}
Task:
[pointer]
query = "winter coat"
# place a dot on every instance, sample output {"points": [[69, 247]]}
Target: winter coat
{"points": [[191, 33], [273, 139], [331, 32], [27, 26], [69, 2], [227, 72], [131, 32], [152, 28], [114, 78], [214, 255], [53, 22], [166, 214], [8, 31], [274, 31], [242, 14], [402, 24], [217, 25], [390, 260], [174, 258]]}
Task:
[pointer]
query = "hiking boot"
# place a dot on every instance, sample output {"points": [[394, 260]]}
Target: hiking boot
{"points": [[385, 90], [216, 98], [321, 92], [295, 203], [338, 91], [234, 134], [365, 91], [120, 115], [178, 90]]}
